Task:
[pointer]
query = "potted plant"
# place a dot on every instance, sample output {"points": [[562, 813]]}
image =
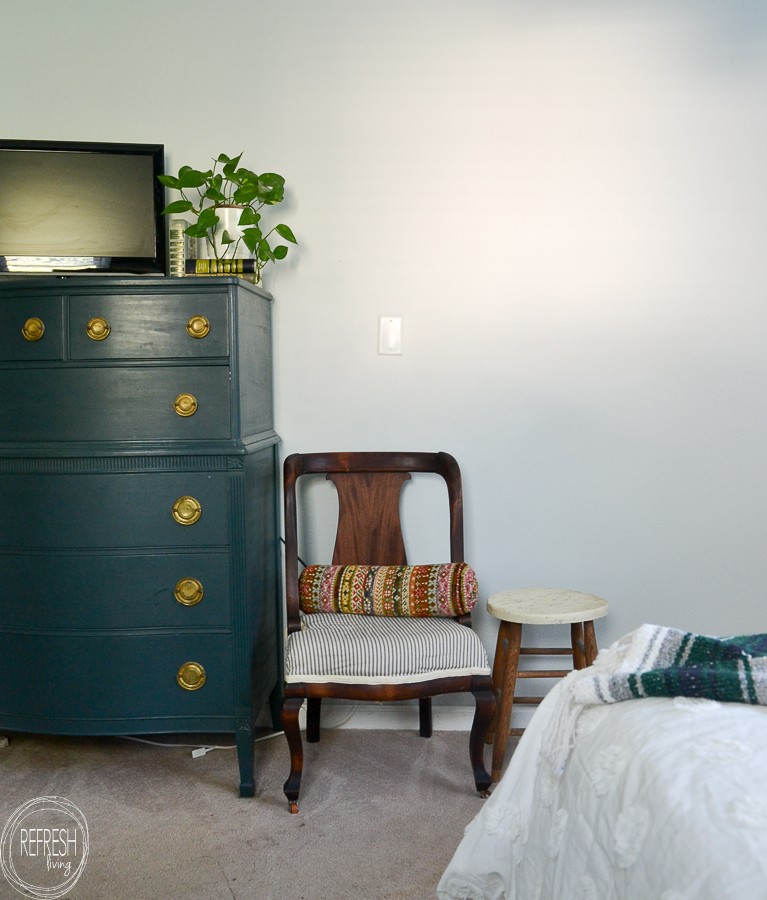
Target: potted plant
{"points": [[225, 187]]}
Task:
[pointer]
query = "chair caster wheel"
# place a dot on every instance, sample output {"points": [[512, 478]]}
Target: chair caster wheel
{"points": [[293, 806]]}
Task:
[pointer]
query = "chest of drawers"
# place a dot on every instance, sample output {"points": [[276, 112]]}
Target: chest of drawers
{"points": [[138, 508]]}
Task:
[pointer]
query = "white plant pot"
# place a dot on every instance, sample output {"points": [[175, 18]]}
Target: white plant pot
{"points": [[229, 217]]}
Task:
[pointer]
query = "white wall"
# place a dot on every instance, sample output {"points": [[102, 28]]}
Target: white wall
{"points": [[566, 201]]}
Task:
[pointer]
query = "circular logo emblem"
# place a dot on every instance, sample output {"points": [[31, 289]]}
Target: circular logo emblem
{"points": [[44, 847]]}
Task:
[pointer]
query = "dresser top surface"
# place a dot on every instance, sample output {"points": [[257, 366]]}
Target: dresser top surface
{"points": [[88, 284]]}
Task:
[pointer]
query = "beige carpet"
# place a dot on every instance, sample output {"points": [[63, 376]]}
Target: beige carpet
{"points": [[381, 814]]}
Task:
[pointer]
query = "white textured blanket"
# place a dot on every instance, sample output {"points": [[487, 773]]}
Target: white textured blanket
{"points": [[663, 798], [655, 661]]}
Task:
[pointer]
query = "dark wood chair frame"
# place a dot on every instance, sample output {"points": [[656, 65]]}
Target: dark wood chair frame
{"points": [[370, 532]]}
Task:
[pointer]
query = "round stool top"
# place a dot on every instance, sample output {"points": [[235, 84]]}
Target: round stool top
{"points": [[545, 606]]}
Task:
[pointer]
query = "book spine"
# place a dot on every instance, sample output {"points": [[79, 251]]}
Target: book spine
{"points": [[220, 266]]}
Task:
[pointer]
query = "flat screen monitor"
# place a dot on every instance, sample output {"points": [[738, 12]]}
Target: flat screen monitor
{"points": [[81, 207]]}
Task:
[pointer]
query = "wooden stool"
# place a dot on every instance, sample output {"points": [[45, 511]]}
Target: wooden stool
{"points": [[535, 606]]}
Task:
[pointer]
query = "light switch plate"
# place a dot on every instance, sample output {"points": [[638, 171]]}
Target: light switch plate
{"points": [[390, 330]]}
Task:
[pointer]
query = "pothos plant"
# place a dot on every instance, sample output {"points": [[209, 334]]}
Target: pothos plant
{"points": [[229, 184]]}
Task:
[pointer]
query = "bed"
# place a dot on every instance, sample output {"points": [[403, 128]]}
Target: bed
{"points": [[643, 777]]}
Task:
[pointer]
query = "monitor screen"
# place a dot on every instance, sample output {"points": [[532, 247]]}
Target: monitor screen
{"points": [[80, 207]]}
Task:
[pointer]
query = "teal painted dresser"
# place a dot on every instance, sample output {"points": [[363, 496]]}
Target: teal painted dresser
{"points": [[138, 508]]}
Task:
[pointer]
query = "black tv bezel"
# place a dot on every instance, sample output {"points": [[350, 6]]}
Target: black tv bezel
{"points": [[127, 265]]}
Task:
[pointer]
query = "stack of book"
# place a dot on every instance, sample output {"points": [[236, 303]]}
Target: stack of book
{"points": [[181, 247], [184, 260]]}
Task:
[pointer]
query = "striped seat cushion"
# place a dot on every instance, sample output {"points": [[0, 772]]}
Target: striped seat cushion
{"points": [[381, 649], [443, 589]]}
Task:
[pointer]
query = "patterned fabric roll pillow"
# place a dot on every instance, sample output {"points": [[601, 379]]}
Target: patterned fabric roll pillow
{"points": [[447, 589]]}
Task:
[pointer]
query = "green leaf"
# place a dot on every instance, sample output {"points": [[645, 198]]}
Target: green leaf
{"points": [[271, 188], [286, 233], [208, 218], [245, 194], [191, 178], [214, 195], [230, 163], [178, 206], [272, 180], [264, 251], [196, 231], [226, 238], [251, 238], [280, 251], [169, 181], [249, 216]]}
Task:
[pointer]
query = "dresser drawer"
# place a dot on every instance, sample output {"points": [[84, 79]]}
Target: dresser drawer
{"points": [[31, 328], [148, 326], [116, 404], [74, 590], [103, 676], [120, 510]]}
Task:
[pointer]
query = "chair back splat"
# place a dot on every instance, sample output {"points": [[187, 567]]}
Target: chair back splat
{"points": [[381, 656], [369, 526]]}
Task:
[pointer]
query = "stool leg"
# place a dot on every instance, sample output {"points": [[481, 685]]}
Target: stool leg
{"points": [[590, 642], [499, 664], [510, 636], [578, 645]]}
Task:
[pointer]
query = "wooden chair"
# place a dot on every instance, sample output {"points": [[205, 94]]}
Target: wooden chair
{"points": [[369, 532]]}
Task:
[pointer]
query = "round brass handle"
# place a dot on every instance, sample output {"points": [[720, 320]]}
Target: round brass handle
{"points": [[185, 405], [98, 329], [198, 326], [187, 510], [33, 329], [191, 676], [188, 591]]}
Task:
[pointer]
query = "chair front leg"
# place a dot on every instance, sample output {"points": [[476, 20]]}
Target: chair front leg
{"points": [[291, 707], [483, 718]]}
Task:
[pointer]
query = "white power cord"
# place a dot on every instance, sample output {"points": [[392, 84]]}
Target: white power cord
{"points": [[197, 751]]}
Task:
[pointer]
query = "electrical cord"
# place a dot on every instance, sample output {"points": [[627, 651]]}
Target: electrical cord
{"points": [[197, 749], [282, 541]]}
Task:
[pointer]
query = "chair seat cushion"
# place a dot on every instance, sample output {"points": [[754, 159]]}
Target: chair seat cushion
{"points": [[444, 589], [378, 650]]}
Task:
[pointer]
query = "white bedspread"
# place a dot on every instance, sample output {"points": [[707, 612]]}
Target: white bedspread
{"points": [[659, 799]]}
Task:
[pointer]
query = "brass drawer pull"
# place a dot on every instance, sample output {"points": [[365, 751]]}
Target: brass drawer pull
{"points": [[98, 329], [198, 326], [187, 510], [185, 405], [33, 329], [191, 676], [188, 591]]}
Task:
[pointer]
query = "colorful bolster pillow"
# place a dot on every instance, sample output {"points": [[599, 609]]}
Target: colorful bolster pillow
{"points": [[447, 589]]}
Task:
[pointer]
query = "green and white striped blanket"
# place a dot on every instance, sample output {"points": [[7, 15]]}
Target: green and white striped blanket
{"points": [[663, 662], [654, 661]]}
